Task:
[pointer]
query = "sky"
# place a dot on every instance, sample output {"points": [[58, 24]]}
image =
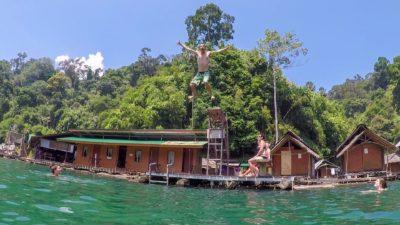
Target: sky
{"points": [[343, 38]]}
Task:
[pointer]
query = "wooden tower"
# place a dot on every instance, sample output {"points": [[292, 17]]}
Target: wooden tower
{"points": [[218, 140]]}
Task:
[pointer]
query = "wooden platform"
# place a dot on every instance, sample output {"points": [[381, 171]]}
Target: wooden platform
{"points": [[269, 180]]}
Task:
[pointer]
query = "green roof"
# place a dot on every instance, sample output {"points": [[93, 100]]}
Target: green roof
{"points": [[103, 141]]}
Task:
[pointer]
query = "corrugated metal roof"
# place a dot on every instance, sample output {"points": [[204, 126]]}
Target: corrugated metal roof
{"points": [[127, 142], [142, 131]]}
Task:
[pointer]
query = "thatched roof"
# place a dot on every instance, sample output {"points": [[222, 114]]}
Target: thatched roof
{"points": [[324, 162], [393, 158], [363, 131], [290, 136]]}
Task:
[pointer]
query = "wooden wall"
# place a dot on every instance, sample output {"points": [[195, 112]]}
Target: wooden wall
{"points": [[301, 162], [143, 164], [356, 159], [394, 167]]}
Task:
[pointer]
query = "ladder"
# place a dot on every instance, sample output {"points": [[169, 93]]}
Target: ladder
{"points": [[218, 141]]}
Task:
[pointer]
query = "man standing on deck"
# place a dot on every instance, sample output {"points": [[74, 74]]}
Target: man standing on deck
{"points": [[203, 63]]}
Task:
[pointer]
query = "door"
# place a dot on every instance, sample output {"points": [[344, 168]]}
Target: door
{"points": [[121, 157], [286, 163], [154, 158], [187, 160], [96, 155]]}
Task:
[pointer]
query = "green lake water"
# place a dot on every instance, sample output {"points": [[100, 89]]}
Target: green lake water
{"points": [[29, 195]]}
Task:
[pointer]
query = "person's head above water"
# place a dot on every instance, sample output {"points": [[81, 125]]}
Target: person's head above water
{"points": [[202, 48], [380, 184]]}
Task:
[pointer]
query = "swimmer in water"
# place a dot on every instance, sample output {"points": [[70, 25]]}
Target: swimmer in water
{"points": [[55, 170], [380, 185]]}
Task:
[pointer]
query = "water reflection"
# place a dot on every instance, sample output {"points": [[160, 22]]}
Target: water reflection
{"points": [[30, 196]]}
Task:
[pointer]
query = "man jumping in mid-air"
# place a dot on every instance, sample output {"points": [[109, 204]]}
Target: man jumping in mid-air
{"points": [[203, 63]]}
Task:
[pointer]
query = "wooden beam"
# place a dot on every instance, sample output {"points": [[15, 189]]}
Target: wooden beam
{"points": [[350, 144]]}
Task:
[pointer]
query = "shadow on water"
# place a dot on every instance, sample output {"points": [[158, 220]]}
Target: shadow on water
{"points": [[29, 195]]}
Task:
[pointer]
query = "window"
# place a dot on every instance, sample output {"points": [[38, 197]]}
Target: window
{"points": [[299, 156], [365, 150], [171, 157], [109, 153], [138, 156], [85, 151]]}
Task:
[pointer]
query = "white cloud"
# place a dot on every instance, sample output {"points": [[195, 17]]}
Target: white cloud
{"points": [[61, 58], [94, 62]]}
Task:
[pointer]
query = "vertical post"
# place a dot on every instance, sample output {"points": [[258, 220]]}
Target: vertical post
{"points": [[168, 165], [387, 163], [208, 151], [168, 174], [347, 159], [193, 112], [190, 160], [221, 154], [150, 165], [275, 107], [149, 173], [95, 159], [227, 139], [65, 157]]}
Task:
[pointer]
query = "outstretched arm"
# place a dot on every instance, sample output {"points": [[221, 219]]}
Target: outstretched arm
{"points": [[220, 50], [186, 47]]}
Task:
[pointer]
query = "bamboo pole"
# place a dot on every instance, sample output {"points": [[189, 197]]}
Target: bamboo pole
{"points": [[275, 108]]}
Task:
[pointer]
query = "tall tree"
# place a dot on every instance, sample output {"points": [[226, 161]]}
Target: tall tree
{"points": [[19, 62], [381, 76], [210, 24], [310, 85], [279, 51], [146, 65], [34, 70], [74, 69]]}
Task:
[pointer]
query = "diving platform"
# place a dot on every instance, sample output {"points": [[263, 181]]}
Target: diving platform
{"points": [[216, 178]]}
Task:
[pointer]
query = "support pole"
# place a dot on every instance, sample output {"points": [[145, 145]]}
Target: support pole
{"points": [[275, 108], [208, 152], [168, 165], [193, 112], [221, 157]]}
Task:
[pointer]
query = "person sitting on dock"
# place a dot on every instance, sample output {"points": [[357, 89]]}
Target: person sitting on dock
{"points": [[203, 64], [380, 185], [263, 154]]}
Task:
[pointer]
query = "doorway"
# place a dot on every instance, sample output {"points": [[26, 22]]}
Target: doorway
{"points": [[154, 152], [96, 155], [286, 163], [121, 157], [187, 160]]}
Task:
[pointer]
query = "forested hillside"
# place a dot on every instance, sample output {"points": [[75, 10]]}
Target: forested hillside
{"points": [[39, 97], [373, 99]]}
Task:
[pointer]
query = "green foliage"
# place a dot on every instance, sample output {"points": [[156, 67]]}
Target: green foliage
{"points": [[35, 69], [210, 24], [373, 100], [152, 93], [280, 50]]}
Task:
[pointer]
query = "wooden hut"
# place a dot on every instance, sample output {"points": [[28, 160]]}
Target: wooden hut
{"points": [[135, 150], [392, 162], [363, 151], [291, 156], [326, 169]]}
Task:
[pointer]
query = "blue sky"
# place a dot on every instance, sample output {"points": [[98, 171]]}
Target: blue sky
{"points": [[344, 38]]}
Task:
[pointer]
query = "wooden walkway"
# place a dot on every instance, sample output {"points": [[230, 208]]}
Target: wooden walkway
{"points": [[270, 180]]}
